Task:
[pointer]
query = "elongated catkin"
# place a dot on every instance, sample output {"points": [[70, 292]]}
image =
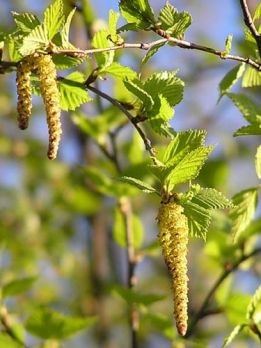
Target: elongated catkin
{"points": [[45, 69], [24, 94], [173, 237]]}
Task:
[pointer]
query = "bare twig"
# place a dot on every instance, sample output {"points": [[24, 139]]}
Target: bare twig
{"points": [[250, 24], [116, 103], [125, 208], [228, 270]]}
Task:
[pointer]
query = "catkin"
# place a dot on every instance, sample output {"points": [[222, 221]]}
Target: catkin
{"points": [[45, 70], [173, 236], [23, 83]]}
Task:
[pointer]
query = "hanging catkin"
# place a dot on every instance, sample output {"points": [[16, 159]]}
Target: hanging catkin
{"points": [[23, 83], [173, 236], [45, 69]]}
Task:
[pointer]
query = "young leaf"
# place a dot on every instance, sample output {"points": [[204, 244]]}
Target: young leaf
{"points": [[257, 13], [228, 44], [37, 39], [167, 84], [258, 162], [139, 184], [46, 323], [211, 199], [101, 40], [136, 87], [188, 168], [53, 18], [65, 30], [172, 22], [159, 116], [253, 129], [138, 12], [113, 19], [25, 22], [254, 303], [119, 230], [242, 213], [72, 91], [251, 78], [151, 52], [17, 286], [199, 219], [120, 71], [249, 109], [65, 62], [236, 331], [7, 342], [182, 144], [230, 79]]}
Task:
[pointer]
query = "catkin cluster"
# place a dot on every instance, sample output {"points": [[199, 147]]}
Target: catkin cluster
{"points": [[173, 237], [44, 68]]}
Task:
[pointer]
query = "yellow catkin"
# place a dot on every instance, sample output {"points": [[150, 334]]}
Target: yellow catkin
{"points": [[23, 83], [173, 236], [45, 70]]}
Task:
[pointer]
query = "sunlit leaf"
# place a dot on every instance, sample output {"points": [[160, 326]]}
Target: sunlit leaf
{"points": [[230, 79], [53, 18], [234, 333], [17, 286], [258, 162]]}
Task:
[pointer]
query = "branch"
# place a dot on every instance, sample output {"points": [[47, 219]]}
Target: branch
{"points": [[147, 46], [116, 103], [227, 271], [250, 24]]}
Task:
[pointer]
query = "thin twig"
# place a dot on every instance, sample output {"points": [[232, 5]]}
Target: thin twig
{"points": [[250, 24], [126, 211], [150, 45], [228, 270], [116, 103]]}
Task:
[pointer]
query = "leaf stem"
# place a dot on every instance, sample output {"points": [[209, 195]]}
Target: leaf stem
{"points": [[227, 271], [250, 24]]}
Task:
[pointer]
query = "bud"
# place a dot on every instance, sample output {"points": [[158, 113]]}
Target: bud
{"points": [[45, 70], [173, 237]]}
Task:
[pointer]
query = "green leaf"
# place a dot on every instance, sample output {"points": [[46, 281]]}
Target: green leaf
{"points": [[37, 39], [182, 144], [188, 168], [53, 18], [159, 116], [253, 129], [251, 78], [254, 303], [249, 109], [7, 342], [160, 323], [135, 297], [230, 79], [139, 184], [257, 13], [138, 12], [17, 286], [252, 229], [258, 162], [25, 22], [199, 219], [46, 323], [167, 84], [235, 332], [211, 199], [65, 62], [66, 28], [173, 22], [113, 20], [72, 91], [118, 70], [242, 213], [119, 230], [136, 87], [151, 52], [100, 40]]}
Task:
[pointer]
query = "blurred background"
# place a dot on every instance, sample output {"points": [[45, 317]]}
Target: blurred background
{"points": [[59, 225]]}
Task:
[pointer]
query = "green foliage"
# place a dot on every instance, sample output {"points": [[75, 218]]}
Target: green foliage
{"points": [[53, 18], [242, 213], [138, 13], [7, 342], [173, 22], [231, 78], [59, 326], [17, 286], [131, 296]]}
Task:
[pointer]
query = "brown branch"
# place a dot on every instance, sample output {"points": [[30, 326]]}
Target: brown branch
{"points": [[131, 118], [250, 24], [227, 271]]}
